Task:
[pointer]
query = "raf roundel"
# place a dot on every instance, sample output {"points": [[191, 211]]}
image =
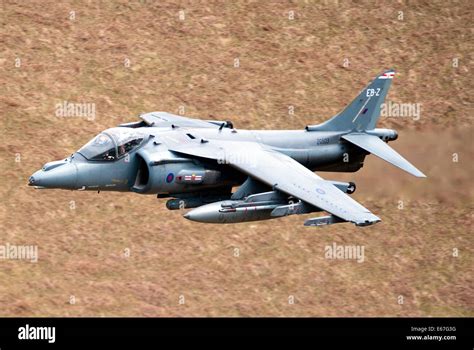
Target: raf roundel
{"points": [[320, 191], [169, 177]]}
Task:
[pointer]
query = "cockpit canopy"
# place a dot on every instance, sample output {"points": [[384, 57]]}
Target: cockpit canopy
{"points": [[111, 144]]}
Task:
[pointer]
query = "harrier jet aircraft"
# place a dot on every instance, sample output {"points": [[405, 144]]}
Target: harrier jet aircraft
{"points": [[197, 163]]}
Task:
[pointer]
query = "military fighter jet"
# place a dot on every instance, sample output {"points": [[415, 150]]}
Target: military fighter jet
{"points": [[197, 163]]}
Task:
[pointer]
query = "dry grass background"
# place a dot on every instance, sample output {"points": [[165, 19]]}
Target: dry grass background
{"points": [[190, 63]]}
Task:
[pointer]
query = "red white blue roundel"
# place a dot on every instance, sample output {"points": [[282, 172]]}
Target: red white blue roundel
{"points": [[169, 177]]}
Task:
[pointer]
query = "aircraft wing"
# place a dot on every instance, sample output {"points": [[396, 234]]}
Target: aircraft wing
{"points": [[163, 119], [281, 172]]}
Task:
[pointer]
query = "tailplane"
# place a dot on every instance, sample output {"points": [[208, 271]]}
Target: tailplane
{"points": [[373, 144], [357, 121]]}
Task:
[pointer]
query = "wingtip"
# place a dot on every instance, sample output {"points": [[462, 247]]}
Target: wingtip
{"points": [[418, 173], [372, 221]]}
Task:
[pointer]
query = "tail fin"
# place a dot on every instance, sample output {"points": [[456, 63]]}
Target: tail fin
{"points": [[364, 111]]}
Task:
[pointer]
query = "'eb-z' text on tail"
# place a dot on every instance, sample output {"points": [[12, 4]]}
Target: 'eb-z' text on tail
{"points": [[364, 111]]}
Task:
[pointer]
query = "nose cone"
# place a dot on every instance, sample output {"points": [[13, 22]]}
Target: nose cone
{"points": [[63, 176]]}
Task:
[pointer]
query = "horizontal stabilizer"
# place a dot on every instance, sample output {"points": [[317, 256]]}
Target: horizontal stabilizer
{"points": [[376, 146]]}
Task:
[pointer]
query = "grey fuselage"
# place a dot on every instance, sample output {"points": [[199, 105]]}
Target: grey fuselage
{"points": [[151, 168]]}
